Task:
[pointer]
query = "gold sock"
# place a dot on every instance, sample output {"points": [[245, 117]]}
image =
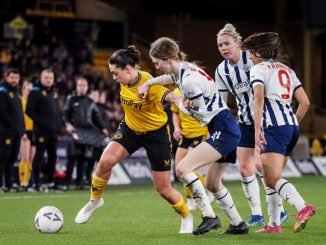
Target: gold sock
{"points": [[29, 171], [202, 179], [187, 191], [97, 187], [22, 172], [181, 208]]}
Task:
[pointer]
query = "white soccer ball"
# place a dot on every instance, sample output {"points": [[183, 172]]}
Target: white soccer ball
{"points": [[48, 219]]}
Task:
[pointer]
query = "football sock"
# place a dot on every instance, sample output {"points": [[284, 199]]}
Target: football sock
{"points": [[274, 204], [290, 194], [267, 191], [251, 189], [202, 179], [225, 201], [23, 171], [199, 194], [97, 187], [29, 171], [181, 208]]}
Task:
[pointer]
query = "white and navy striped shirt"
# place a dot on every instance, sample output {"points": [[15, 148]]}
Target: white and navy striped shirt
{"points": [[280, 83], [200, 88], [235, 79]]}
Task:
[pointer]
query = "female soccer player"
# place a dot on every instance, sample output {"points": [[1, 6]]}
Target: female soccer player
{"points": [[188, 133], [144, 125], [276, 125], [203, 102], [232, 75]]}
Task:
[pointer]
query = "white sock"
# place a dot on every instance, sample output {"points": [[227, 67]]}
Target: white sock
{"points": [[199, 194], [273, 207], [251, 189], [290, 194], [280, 204], [225, 201]]}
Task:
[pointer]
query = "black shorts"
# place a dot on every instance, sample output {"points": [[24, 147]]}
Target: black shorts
{"points": [[157, 144], [191, 142], [30, 136]]}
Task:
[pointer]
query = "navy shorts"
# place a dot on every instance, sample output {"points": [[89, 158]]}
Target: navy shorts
{"points": [[281, 139], [224, 135], [247, 136]]}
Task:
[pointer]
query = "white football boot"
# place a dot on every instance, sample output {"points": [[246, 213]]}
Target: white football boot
{"points": [[86, 212]]}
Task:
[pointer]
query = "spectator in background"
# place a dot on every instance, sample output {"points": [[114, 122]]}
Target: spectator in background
{"points": [[81, 112], [42, 107], [11, 127], [27, 145]]}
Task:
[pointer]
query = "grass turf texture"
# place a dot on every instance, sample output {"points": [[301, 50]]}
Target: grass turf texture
{"points": [[138, 215]]}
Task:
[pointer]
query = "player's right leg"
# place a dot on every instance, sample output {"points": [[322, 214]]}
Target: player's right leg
{"points": [[250, 184], [201, 155]]}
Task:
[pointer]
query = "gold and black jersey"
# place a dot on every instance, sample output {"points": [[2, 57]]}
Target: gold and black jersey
{"points": [[143, 115], [191, 128]]}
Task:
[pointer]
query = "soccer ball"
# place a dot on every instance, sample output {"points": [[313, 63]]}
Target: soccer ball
{"points": [[48, 219]]}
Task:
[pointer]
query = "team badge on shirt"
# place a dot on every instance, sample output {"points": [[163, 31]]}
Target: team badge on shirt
{"points": [[246, 67], [8, 141], [11, 94], [41, 139], [44, 93]]}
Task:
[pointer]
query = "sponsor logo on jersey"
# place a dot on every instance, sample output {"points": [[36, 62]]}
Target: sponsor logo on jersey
{"points": [[131, 103]]}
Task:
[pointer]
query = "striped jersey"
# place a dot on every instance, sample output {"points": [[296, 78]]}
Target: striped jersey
{"points": [[235, 79], [280, 82], [196, 85]]}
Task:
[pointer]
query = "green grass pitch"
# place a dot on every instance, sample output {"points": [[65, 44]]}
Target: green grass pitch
{"points": [[138, 215]]}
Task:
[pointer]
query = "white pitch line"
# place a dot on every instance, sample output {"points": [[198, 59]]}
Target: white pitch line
{"points": [[12, 197]]}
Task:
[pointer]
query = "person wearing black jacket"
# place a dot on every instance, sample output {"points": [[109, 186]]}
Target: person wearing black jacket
{"points": [[42, 107], [11, 126], [81, 113]]}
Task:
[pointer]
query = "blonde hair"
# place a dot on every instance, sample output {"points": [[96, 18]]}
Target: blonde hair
{"points": [[229, 29]]}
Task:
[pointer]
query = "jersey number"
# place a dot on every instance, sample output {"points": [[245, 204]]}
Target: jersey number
{"points": [[284, 80]]}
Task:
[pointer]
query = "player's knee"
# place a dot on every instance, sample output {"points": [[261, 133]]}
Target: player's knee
{"points": [[247, 170], [163, 190], [181, 170], [214, 187], [107, 162]]}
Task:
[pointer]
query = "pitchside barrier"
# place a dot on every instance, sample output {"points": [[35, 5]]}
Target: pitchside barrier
{"points": [[308, 158]]}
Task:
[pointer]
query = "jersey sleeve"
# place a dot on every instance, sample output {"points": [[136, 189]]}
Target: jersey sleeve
{"points": [[297, 84], [174, 107], [220, 83], [257, 75], [158, 92], [194, 92]]}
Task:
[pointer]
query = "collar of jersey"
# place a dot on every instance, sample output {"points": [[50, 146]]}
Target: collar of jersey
{"points": [[136, 82]]}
